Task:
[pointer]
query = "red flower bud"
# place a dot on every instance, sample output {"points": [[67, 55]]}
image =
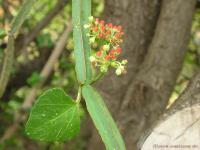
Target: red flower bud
{"points": [[98, 54], [113, 57], [102, 22], [119, 50], [112, 52], [115, 27], [118, 35], [95, 29], [101, 35], [119, 28], [97, 19], [108, 32], [103, 28], [107, 57], [110, 25]]}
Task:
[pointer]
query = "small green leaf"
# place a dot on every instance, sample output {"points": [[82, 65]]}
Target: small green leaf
{"points": [[34, 79], [102, 119], [44, 40], [54, 117], [2, 33]]}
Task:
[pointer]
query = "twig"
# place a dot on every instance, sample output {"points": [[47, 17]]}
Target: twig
{"points": [[5, 6], [46, 71], [43, 23], [7, 64], [9, 54], [78, 99], [22, 43]]}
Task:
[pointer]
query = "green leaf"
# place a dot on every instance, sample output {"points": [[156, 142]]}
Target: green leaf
{"points": [[44, 40], [21, 16], [102, 119], [78, 41], [34, 79], [86, 13], [2, 33], [54, 117]]}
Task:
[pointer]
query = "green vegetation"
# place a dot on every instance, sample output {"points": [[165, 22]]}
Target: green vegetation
{"points": [[71, 72]]}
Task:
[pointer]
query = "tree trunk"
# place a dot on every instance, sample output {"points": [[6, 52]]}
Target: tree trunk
{"points": [[179, 127], [156, 36]]}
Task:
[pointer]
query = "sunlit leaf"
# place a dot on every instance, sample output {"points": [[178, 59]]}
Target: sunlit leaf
{"points": [[102, 119], [54, 117]]}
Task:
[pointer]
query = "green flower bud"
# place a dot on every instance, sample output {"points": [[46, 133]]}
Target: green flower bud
{"points": [[114, 64], [104, 69], [92, 40], [92, 59], [124, 62], [91, 18], [118, 71], [106, 47], [86, 26]]}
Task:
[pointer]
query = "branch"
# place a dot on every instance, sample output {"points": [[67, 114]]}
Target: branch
{"points": [[43, 23], [7, 65], [22, 43], [46, 71], [5, 5], [9, 54]]}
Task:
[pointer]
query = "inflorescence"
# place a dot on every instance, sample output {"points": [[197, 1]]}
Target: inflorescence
{"points": [[106, 39]]}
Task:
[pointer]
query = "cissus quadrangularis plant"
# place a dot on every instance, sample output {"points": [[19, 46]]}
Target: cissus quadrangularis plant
{"points": [[55, 115]]}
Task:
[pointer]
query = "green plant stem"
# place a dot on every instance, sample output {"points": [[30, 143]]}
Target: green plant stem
{"points": [[9, 53], [99, 76], [78, 99], [7, 64]]}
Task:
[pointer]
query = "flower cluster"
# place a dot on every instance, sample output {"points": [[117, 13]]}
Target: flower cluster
{"points": [[106, 38]]}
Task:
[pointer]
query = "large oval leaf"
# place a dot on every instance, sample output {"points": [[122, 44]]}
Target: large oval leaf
{"points": [[54, 117], [102, 119]]}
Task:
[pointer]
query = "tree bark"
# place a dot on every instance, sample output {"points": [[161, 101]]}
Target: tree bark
{"points": [[156, 36], [177, 125]]}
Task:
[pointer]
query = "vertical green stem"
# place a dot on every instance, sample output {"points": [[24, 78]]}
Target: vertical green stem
{"points": [[7, 64], [9, 53], [78, 99]]}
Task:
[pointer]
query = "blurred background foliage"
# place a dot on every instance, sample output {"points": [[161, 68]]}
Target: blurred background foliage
{"points": [[37, 51], [63, 75]]}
